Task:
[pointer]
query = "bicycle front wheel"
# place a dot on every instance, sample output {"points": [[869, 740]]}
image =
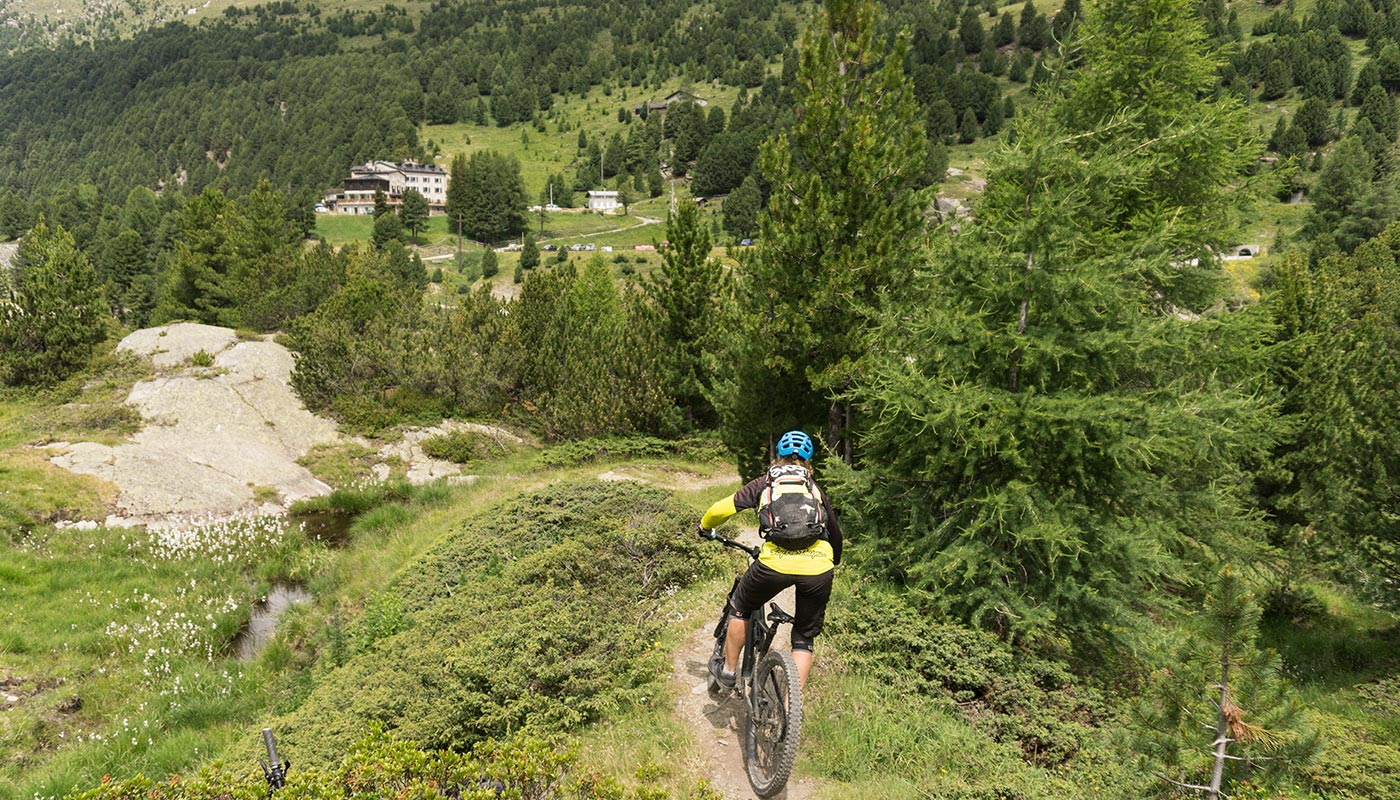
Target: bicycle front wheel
{"points": [[775, 724]]}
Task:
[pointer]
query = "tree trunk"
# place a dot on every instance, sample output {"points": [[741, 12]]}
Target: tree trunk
{"points": [[1222, 723]]}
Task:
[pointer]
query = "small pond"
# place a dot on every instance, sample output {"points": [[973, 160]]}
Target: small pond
{"points": [[262, 625]]}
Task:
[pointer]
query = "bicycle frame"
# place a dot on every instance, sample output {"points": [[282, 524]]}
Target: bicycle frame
{"points": [[772, 693], [762, 628]]}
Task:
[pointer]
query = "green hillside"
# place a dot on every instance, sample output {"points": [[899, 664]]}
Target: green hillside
{"points": [[1093, 311]]}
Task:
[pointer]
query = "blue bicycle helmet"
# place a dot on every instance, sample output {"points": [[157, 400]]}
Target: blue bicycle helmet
{"points": [[795, 443]]}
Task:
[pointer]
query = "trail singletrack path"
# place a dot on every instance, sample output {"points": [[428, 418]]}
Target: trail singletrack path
{"points": [[717, 724]]}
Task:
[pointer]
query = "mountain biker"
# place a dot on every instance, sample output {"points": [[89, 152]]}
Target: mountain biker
{"points": [[777, 567]]}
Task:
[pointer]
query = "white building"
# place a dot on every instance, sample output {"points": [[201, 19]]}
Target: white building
{"points": [[603, 201], [356, 195]]}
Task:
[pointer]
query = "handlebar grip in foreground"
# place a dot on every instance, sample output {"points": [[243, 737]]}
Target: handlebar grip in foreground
{"points": [[275, 770]]}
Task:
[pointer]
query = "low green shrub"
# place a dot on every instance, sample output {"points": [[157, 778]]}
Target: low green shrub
{"points": [[1353, 762], [1010, 695], [539, 615], [378, 766], [701, 448], [463, 447], [356, 500]]}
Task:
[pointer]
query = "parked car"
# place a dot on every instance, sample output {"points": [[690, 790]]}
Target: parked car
{"points": [[575, 247], [549, 247], [746, 242], [590, 247]]}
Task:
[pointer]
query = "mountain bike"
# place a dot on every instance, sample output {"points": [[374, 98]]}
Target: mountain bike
{"points": [[770, 687]]}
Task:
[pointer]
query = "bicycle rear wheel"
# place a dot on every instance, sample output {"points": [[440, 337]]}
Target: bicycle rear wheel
{"points": [[774, 725]]}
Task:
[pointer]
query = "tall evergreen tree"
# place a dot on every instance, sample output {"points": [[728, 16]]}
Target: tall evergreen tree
{"points": [[530, 254], [128, 272], [1034, 31], [843, 228], [457, 192], [413, 213], [494, 196], [1048, 436], [685, 292], [52, 313], [1005, 32], [970, 31], [195, 283], [741, 209], [1337, 471]]}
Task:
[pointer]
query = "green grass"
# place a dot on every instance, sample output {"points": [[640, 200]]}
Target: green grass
{"points": [[541, 154], [80, 617], [90, 406], [1345, 664]]}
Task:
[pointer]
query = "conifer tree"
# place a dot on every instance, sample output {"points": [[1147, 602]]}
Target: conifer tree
{"points": [[1344, 182], [591, 367], [1379, 108], [1222, 711], [685, 292], [1047, 434], [529, 254], [1034, 31], [128, 263], [457, 189], [1337, 471], [52, 312], [490, 264], [741, 209], [493, 196], [1069, 14], [387, 229], [196, 279], [413, 213], [1005, 32], [970, 31], [967, 127], [842, 231]]}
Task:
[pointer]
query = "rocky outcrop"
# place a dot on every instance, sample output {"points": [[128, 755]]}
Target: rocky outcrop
{"points": [[222, 429]]}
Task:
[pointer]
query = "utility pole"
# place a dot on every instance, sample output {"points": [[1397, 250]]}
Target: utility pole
{"points": [[459, 241]]}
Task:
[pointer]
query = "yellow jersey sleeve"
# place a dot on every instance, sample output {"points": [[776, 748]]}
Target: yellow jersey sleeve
{"points": [[717, 513]]}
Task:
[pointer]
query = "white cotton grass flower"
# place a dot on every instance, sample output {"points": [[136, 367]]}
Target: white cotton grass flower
{"points": [[237, 539]]}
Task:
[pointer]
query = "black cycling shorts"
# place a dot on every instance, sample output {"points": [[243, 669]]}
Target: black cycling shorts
{"points": [[762, 583]]}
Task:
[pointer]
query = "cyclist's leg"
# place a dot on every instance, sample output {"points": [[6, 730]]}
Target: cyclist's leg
{"points": [[756, 586], [813, 592]]}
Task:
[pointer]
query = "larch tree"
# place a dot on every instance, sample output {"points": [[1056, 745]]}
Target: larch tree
{"points": [[1336, 473], [843, 230], [1047, 433]]}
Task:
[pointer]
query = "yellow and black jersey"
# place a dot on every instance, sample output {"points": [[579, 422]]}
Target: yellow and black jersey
{"points": [[815, 560]]}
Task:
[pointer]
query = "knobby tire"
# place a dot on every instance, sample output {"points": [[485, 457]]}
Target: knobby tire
{"points": [[774, 725]]}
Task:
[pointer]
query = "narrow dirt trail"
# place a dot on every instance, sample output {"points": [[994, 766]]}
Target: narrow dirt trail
{"points": [[717, 724]]}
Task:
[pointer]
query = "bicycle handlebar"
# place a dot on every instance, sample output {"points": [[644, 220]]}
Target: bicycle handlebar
{"points": [[275, 768], [737, 545]]}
